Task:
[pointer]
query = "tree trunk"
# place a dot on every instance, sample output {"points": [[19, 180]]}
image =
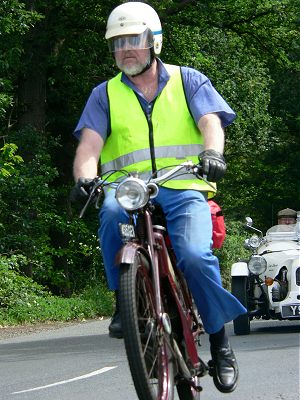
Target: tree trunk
{"points": [[32, 99], [33, 74]]}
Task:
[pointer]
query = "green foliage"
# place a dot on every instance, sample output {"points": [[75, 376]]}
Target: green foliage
{"points": [[15, 22], [27, 195], [62, 252], [9, 160], [15, 19], [232, 249], [75, 252], [23, 300], [5, 101], [15, 288]]}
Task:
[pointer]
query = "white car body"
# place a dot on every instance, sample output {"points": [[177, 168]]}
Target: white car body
{"points": [[275, 292]]}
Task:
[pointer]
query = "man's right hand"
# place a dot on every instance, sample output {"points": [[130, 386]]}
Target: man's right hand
{"points": [[81, 190], [213, 165]]}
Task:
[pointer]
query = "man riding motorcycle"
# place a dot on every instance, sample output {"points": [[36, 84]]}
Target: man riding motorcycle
{"points": [[152, 115]]}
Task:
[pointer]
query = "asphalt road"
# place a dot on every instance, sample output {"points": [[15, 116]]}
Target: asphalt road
{"points": [[80, 362]]}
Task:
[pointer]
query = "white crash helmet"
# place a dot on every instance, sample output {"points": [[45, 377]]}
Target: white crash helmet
{"points": [[135, 18]]}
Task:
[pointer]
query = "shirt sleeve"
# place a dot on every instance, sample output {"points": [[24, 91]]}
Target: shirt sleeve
{"points": [[95, 114], [203, 98]]}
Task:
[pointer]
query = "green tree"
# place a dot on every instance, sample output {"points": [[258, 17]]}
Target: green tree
{"points": [[15, 22]]}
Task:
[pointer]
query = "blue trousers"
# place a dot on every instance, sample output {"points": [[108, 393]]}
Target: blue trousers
{"points": [[190, 230]]}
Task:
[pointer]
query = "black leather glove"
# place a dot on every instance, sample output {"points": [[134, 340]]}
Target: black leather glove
{"points": [[213, 165], [81, 190]]}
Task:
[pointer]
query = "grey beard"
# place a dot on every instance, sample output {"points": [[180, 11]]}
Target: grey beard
{"points": [[136, 69]]}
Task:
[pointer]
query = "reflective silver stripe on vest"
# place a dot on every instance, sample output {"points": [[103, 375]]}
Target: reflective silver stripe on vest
{"points": [[182, 177], [179, 152]]}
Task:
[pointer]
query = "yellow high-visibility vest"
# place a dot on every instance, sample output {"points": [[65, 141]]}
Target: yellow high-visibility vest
{"points": [[139, 142]]}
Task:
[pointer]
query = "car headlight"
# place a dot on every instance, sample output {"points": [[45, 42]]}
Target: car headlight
{"points": [[257, 265], [254, 241], [132, 194]]}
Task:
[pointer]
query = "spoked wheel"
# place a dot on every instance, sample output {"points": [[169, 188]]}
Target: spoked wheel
{"points": [[146, 344], [241, 324], [187, 392]]}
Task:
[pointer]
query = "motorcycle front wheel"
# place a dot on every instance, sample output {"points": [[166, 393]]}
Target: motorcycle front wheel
{"points": [[147, 345]]}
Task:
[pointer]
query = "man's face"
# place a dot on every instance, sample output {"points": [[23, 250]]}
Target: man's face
{"points": [[132, 61], [286, 221], [132, 52]]}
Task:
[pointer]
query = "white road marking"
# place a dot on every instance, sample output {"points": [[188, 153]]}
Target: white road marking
{"points": [[77, 378]]}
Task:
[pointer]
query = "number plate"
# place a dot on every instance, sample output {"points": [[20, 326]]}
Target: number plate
{"points": [[127, 231], [290, 311]]}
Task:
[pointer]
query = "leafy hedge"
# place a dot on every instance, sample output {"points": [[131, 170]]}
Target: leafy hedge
{"points": [[37, 220], [232, 250], [23, 300]]}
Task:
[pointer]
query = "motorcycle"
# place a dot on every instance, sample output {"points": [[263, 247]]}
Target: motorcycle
{"points": [[161, 326], [268, 283]]}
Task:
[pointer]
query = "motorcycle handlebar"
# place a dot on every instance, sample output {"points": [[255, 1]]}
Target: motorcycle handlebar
{"points": [[100, 184]]}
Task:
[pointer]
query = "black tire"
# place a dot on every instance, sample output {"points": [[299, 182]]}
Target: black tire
{"points": [[241, 324], [186, 392], [148, 352]]}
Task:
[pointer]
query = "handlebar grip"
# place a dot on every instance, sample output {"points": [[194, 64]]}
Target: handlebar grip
{"points": [[200, 169]]}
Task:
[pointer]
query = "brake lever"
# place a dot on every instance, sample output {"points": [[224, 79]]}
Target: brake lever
{"points": [[199, 174], [82, 212], [97, 203], [91, 196]]}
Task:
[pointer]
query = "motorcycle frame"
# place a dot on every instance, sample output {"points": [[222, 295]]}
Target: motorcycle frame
{"points": [[157, 253]]}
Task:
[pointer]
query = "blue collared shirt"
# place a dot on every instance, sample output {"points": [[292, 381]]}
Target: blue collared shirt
{"points": [[201, 96]]}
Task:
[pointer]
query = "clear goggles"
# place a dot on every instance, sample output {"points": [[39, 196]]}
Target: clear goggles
{"points": [[131, 42]]}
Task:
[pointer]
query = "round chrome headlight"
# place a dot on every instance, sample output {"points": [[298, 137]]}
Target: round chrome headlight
{"points": [[132, 194], [257, 265], [254, 241]]}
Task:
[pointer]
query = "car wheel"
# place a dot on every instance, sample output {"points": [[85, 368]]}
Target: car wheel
{"points": [[241, 324]]}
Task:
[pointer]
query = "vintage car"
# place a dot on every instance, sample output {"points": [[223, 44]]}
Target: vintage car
{"points": [[268, 283]]}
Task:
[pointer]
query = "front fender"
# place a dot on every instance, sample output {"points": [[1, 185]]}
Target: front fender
{"points": [[239, 269], [128, 253]]}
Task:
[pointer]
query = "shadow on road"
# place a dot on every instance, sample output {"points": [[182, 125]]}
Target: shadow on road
{"points": [[36, 349], [295, 328]]}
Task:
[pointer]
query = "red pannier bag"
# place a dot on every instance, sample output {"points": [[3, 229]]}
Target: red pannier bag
{"points": [[218, 224]]}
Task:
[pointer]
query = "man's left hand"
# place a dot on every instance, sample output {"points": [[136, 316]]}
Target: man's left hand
{"points": [[213, 164], [81, 190]]}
